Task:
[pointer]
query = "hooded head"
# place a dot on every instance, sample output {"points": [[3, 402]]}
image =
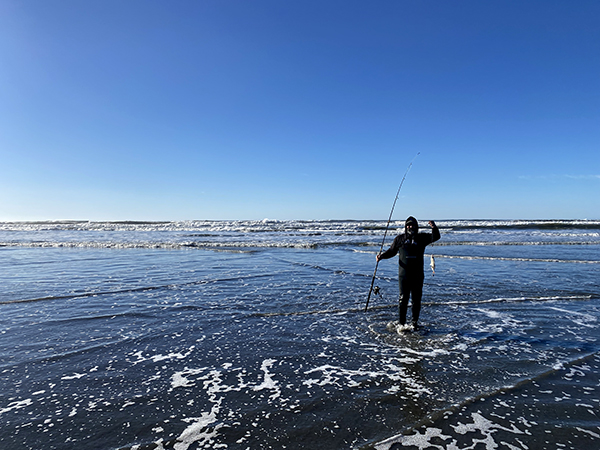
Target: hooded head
{"points": [[411, 227]]}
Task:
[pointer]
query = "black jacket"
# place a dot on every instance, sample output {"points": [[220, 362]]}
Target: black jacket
{"points": [[411, 252]]}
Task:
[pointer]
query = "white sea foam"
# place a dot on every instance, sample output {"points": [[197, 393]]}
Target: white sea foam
{"points": [[268, 382], [480, 426], [204, 429], [581, 319], [421, 441], [75, 376], [199, 430], [283, 234], [179, 379], [16, 405], [590, 432], [158, 358], [355, 378]]}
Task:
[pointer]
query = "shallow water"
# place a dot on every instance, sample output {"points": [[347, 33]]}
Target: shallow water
{"points": [[254, 335]]}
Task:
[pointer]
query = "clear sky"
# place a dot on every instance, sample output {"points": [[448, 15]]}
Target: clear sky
{"points": [[299, 109]]}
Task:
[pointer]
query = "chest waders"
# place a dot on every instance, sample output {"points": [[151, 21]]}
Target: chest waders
{"points": [[410, 281]]}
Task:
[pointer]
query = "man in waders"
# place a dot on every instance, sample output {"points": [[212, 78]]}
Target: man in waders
{"points": [[411, 246]]}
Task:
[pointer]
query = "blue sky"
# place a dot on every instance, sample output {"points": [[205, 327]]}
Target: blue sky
{"points": [[222, 109]]}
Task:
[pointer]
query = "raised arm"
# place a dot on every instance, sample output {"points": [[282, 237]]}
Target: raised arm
{"points": [[435, 232]]}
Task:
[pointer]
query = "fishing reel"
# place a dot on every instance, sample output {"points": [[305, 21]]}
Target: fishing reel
{"points": [[377, 291]]}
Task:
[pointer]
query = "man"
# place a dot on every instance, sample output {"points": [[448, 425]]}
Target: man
{"points": [[411, 246]]}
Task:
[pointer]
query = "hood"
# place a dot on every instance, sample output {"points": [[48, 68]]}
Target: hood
{"points": [[414, 221]]}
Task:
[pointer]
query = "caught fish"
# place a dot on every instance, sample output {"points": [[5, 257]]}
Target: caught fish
{"points": [[432, 265]]}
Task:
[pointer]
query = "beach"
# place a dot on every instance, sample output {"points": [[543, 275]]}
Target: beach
{"points": [[254, 335]]}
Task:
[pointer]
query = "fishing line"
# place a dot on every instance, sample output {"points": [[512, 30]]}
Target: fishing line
{"points": [[386, 229]]}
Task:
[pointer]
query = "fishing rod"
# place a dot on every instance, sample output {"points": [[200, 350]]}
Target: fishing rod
{"points": [[386, 229]]}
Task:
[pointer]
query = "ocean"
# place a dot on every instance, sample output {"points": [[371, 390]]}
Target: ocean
{"points": [[254, 335]]}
